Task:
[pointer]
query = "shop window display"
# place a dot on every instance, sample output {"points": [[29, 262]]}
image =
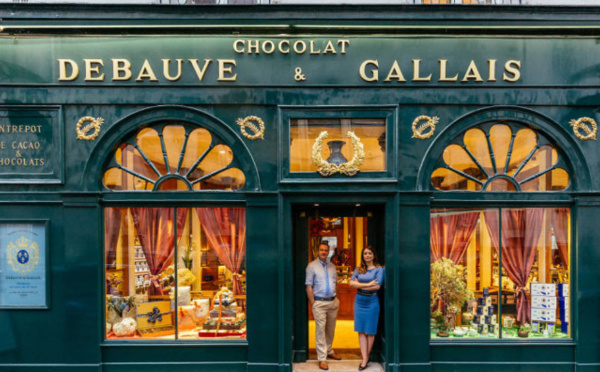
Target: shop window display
{"points": [[175, 273], [337, 148], [500, 273]]}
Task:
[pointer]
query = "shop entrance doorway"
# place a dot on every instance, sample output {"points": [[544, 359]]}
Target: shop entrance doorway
{"points": [[347, 229]]}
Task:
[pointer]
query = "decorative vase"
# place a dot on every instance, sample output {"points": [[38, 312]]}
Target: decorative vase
{"points": [[335, 148], [523, 334]]}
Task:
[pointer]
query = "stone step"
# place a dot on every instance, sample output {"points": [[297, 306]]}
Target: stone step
{"points": [[337, 365]]}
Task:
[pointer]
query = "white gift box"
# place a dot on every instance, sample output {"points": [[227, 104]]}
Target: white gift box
{"points": [[543, 315], [543, 302], [543, 289]]}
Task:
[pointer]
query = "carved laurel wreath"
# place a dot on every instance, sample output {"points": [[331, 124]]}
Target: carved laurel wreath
{"points": [[421, 132], [84, 133], [246, 122], [589, 133], [350, 168]]}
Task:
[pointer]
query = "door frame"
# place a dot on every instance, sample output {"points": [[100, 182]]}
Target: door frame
{"points": [[293, 290]]}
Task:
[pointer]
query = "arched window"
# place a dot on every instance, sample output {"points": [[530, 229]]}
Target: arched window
{"points": [[499, 270], [175, 272], [500, 157], [173, 156]]}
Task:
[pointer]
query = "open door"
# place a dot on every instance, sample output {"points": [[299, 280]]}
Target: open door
{"points": [[347, 229]]}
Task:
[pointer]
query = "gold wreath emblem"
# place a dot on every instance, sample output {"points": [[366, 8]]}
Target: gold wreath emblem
{"points": [[350, 168], [421, 132], [246, 122], [589, 133], [84, 133]]}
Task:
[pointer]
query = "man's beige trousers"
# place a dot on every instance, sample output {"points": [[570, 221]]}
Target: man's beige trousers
{"points": [[325, 314]]}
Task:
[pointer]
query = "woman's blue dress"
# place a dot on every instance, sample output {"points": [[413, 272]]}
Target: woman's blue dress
{"points": [[366, 307]]}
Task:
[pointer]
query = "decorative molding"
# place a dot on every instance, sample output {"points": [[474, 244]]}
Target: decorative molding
{"points": [[579, 125], [246, 122], [350, 168], [84, 133], [421, 132]]}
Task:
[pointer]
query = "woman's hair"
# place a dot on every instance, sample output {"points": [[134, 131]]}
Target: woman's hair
{"points": [[363, 266]]}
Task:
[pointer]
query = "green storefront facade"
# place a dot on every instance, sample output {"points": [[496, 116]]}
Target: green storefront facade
{"points": [[209, 67]]}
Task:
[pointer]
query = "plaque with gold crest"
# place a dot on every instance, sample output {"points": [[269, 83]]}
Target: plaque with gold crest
{"points": [[23, 263]]}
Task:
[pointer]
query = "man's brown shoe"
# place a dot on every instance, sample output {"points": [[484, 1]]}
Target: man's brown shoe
{"points": [[334, 356], [323, 365]]}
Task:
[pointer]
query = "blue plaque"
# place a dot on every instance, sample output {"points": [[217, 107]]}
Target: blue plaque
{"points": [[23, 265]]}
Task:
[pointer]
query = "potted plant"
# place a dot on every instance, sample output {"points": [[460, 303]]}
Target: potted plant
{"points": [[524, 330], [449, 290]]}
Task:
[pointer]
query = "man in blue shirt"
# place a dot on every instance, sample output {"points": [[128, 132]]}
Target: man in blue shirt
{"points": [[321, 279]]}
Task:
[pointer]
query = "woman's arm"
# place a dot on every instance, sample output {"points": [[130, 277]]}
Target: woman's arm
{"points": [[354, 283]]}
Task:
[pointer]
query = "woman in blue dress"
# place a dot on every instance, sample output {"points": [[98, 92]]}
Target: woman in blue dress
{"points": [[367, 279]]}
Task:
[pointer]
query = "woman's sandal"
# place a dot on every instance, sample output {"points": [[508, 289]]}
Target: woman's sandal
{"points": [[362, 368]]}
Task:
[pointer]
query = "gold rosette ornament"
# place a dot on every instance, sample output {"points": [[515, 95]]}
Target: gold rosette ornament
{"points": [[350, 168], [246, 122], [578, 126], [84, 133], [421, 131]]}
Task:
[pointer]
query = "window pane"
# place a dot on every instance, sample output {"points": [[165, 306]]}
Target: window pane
{"points": [[173, 158], [495, 158], [535, 258], [207, 281], [337, 148], [464, 273], [212, 274], [139, 248]]}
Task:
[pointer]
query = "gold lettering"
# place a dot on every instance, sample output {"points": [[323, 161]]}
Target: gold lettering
{"points": [[329, 48], [92, 66], [281, 43], [395, 73], [235, 46], [168, 76], [472, 73], [271, 47], [374, 72], [343, 44], [416, 72], [225, 66], [312, 48], [512, 67], [121, 66], [443, 71], [253, 44], [200, 71], [62, 70], [300, 51], [491, 70], [146, 72]]}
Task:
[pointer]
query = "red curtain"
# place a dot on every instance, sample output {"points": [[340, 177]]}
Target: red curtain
{"points": [[560, 223], [225, 229], [450, 235], [157, 236], [112, 228], [521, 229]]}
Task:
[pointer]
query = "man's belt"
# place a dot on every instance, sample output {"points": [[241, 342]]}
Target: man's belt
{"points": [[324, 298]]}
